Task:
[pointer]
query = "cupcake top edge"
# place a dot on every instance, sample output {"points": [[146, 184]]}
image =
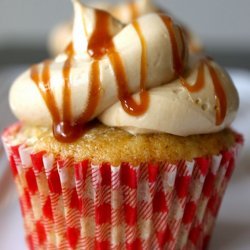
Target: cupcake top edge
{"points": [[97, 145], [140, 76]]}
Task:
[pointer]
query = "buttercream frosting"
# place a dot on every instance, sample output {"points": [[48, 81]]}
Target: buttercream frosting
{"points": [[167, 76], [61, 35]]}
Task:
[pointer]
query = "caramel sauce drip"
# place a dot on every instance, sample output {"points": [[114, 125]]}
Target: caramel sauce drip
{"points": [[133, 10], [220, 96], [178, 58], [65, 130], [200, 80], [67, 90], [127, 101], [101, 44], [101, 38], [184, 52], [178, 65], [42, 81], [125, 97]]}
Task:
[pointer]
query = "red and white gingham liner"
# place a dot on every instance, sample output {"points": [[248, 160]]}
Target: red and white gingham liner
{"points": [[78, 205]]}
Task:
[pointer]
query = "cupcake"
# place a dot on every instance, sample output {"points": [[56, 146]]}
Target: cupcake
{"points": [[123, 140], [61, 35]]}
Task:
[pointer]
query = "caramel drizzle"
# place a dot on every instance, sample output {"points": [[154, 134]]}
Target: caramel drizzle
{"points": [[184, 52], [101, 38], [178, 60], [125, 97], [178, 65], [200, 80], [43, 84], [220, 96], [133, 8], [101, 44], [64, 129], [66, 89]]}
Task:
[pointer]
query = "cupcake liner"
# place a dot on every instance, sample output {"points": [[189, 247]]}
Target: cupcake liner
{"points": [[80, 205]]}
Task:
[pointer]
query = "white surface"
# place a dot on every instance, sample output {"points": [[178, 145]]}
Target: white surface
{"points": [[219, 23], [232, 230]]}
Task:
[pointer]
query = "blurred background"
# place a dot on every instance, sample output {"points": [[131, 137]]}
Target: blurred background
{"points": [[222, 25]]}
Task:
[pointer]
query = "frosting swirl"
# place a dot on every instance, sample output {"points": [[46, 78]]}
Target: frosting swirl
{"points": [[183, 107], [107, 62], [126, 13]]}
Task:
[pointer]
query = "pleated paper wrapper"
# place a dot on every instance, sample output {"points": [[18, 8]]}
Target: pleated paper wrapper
{"points": [[79, 205]]}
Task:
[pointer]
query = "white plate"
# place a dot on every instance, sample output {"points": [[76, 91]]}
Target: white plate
{"points": [[232, 230]]}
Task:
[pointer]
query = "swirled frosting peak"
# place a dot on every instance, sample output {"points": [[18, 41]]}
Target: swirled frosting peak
{"points": [[135, 76], [85, 25]]}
